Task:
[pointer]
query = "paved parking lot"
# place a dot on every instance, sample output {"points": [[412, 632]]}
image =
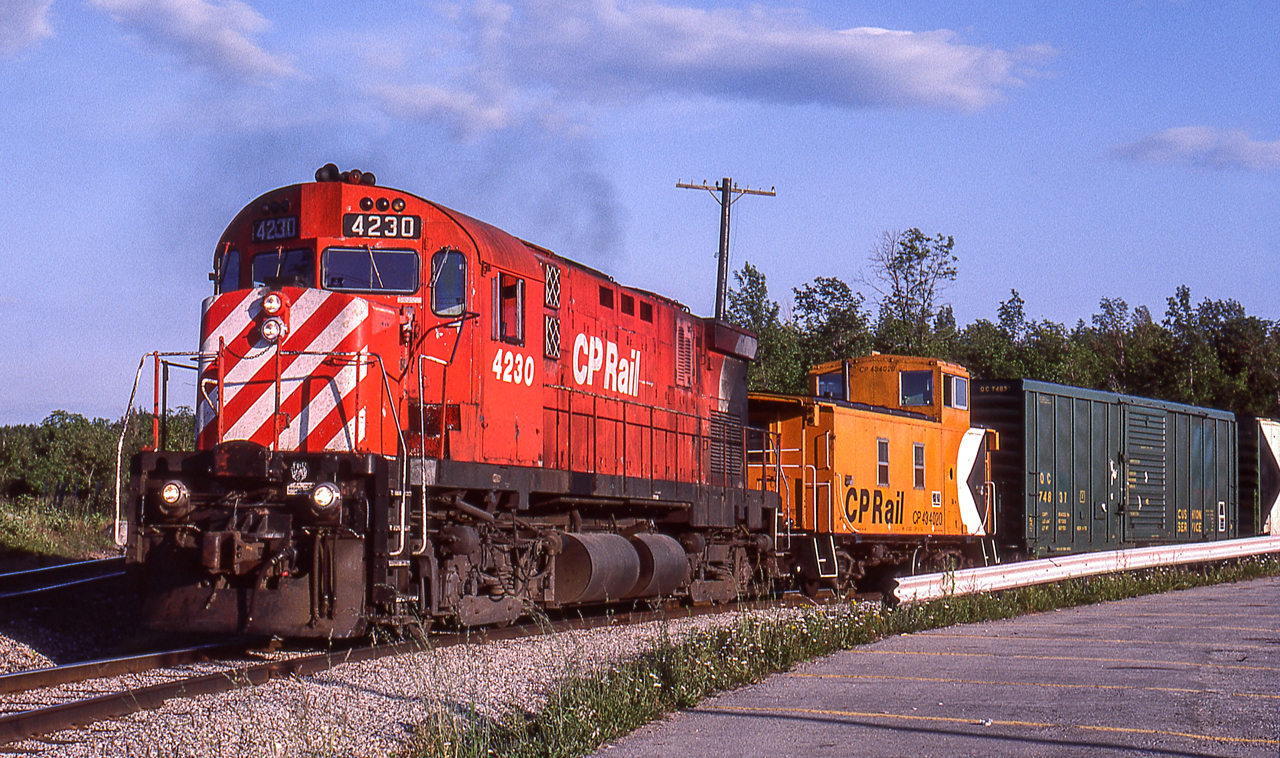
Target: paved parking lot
{"points": [[1190, 673]]}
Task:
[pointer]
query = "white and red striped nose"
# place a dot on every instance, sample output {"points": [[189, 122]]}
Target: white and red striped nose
{"points": [[300, 398]]}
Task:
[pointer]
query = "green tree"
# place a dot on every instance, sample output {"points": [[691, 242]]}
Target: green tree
{"points": [[830, 321], [70, 453], [909, 271], [777, 367]]}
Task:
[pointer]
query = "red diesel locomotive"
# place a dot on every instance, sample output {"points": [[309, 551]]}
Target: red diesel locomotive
{"points": [[406, 415]]}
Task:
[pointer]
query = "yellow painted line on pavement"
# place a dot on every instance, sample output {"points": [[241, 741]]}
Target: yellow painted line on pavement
{"points": [[1091, 625], [1019, 637], [943, 680], [992, 722], [863, 651]]}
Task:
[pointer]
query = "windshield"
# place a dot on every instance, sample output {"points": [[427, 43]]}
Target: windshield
{"points": [[370, 269], [284, 268], [230, 279], [449, 283]]}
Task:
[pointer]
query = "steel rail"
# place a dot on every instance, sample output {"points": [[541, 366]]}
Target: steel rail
{"points": [[56, 577], [19, 726], [1027, 573], [24, 681]]}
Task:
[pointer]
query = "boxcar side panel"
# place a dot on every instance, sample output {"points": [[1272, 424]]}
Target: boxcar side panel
{"points": [[1085, 470]]}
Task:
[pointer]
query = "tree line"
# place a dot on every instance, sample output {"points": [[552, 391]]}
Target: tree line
{"points": [[69, 457], [1210, 353]]}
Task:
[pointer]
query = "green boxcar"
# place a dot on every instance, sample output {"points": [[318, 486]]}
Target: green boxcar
{"points": [[1081, 470]]}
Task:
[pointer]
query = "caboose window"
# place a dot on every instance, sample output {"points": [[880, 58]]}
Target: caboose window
{"points": [[606, 297], [369, 269], [626, 304], [917, 464], [882, 462], [646, 312], [285, 268], [229, 278], [509, 308], [831, 385], [917, 387], [448, 283], [955, 391]]}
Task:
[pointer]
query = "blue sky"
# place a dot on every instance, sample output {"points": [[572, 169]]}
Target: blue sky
{"points": [[1074, 150]]}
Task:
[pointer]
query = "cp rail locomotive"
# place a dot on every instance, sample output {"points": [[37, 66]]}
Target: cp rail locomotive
{"points": [[405, 414]]}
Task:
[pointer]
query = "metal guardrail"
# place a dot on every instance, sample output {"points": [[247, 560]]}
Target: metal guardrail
{"points": [[1026, 573]]}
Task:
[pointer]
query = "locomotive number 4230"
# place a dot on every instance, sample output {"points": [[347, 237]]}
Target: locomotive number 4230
{"points": [[513, 367], [375, 225]]}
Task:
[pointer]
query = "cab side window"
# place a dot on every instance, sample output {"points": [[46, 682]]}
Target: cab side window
{"points": [[831, 385], [917, 387], [508, 309], [955, 392]]}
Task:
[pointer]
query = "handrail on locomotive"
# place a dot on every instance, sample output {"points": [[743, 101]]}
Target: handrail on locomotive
{"points": [[160, 409]]}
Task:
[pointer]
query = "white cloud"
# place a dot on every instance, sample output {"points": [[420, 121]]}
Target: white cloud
{"points": [[213, 35], [1204, 146], [535, 59], [23, 23], [465, 112], [600, 48]]}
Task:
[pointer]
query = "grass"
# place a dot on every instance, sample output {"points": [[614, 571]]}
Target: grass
{"points": [[588, 710], [34, 526]]}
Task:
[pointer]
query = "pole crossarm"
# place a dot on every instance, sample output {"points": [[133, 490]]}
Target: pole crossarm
{"points": [[735, 189]]}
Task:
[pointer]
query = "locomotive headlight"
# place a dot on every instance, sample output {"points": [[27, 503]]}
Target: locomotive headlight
{"points": [[326, 495], [272, 303], [175, 498], [174, 493], [273, 329]]}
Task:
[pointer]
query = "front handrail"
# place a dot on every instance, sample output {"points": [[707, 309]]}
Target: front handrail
{"points": [[120, 531]]}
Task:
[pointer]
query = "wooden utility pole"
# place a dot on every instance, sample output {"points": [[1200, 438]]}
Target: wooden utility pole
{"points": [[729, 194]]}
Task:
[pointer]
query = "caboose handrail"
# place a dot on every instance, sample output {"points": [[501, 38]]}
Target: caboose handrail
{"points": [[831, 515]]}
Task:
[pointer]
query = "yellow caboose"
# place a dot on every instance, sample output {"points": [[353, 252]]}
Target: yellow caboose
{"points": [[878, 468]]}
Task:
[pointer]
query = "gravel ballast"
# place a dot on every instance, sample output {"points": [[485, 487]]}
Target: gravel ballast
{"points": [[360, 709]]}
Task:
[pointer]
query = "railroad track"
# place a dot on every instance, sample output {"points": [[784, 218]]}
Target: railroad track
{"points": [[33, 581], [15, 727]]}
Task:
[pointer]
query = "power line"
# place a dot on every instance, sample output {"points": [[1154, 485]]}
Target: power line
{"points": [[729, 193]]}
